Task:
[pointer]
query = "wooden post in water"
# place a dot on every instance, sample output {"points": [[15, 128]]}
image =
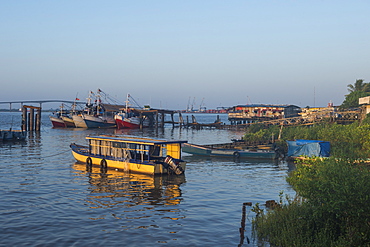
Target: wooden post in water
{"points": [[163, 116], [24, 118], [156, 119], [38, 119], [31, 120], [141, 120], [173, 121], [181, 120]]}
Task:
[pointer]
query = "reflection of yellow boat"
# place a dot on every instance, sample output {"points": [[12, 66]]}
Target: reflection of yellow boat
{"points": [[133, 189], [131, 154]]}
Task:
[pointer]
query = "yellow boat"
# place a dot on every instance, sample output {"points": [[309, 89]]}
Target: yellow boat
{"points": [[131, 154]]}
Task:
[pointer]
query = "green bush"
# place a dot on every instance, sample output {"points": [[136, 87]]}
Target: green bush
{"points": [[332, 206]]}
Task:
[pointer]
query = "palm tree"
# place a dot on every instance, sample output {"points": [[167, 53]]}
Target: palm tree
{"points": [[359, 86]]}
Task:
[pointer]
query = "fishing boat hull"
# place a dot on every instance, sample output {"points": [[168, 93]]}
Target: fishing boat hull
{"points": [[96, 122], [68, 122], [224, 152], [82, 154], [57, 122], [119, 122], [79, 121], [131, 123]]}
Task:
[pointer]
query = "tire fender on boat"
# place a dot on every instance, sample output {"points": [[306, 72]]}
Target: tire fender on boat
{"points": [[89, 161], [236, 155], [103, 164]]}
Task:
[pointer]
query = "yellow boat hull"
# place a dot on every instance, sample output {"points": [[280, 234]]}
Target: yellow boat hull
{"points": [[144, 168]]}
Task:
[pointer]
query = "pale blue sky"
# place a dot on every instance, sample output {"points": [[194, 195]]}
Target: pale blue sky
{"points": [[165, 52]]}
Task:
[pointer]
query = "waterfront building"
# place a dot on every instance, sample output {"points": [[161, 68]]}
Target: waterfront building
{"points": [[241, 114]]}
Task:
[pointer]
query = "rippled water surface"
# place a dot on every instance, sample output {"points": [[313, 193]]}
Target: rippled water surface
{"points": [[47, 199]]}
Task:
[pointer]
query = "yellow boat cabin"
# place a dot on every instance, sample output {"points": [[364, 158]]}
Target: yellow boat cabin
{"points": [[131, 154]]}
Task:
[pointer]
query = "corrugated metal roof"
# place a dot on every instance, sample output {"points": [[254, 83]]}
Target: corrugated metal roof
{"points": [[133, 139], [266, 105]]}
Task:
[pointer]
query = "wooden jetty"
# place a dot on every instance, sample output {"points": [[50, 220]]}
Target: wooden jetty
{"points": [[195, 125]]}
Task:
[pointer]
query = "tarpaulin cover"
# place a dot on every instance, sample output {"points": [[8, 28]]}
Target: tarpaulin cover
{"points": [[308, 148]]}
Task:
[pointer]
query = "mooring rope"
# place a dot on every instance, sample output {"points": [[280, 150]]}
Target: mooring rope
{"points": [[56, 154]]}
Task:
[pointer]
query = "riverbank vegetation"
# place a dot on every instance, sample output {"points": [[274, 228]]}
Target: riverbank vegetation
{"points": [[332, 203], [347, 141]]}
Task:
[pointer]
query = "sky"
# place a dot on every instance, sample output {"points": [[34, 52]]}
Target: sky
{"points": [[172, 54]]}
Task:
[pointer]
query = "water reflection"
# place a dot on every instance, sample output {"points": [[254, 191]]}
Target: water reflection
{"points": [[118, 189]]}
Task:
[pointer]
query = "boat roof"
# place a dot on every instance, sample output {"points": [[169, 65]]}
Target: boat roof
{"points": [[133, 139]]}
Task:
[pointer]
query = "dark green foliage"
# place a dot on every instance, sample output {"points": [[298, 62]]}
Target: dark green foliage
{"points": [[357, 90], [351, 100], [333, 208]]}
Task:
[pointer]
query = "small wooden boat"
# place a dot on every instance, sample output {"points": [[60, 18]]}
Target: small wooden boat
{"points": [[131, 154], [231, 150], [12, 135]]}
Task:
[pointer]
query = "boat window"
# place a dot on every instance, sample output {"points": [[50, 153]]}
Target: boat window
{"points": [[164, 151], [155, 150], [117, 145]]}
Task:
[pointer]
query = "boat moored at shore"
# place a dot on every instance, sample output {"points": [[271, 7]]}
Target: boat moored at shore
{"points": [[231, 150]]}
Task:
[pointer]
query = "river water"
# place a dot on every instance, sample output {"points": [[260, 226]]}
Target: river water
{"points": [[47, 199]]}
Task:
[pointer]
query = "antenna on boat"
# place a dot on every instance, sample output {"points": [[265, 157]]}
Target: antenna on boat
{"points": [[133, 100]]}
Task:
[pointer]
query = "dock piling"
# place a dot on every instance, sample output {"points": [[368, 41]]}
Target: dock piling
{"points": [[31, 122]]}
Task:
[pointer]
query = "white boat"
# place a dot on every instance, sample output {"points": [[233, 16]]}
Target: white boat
{"points": [[68, 121], [98, 122], [79, 121]]}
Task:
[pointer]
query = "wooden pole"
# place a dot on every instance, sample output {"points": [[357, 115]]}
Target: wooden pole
{"points": [[31, 126], [181, 120], [24, 118], [38, 119], [156, 119], [141, 120], [163, 116], [173, 121]]}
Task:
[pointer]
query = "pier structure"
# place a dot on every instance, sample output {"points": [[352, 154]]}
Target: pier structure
{"points": [[157, 117], [30, 121]]}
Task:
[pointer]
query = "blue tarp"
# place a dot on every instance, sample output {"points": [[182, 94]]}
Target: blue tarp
{"points": [[308, 148]]}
